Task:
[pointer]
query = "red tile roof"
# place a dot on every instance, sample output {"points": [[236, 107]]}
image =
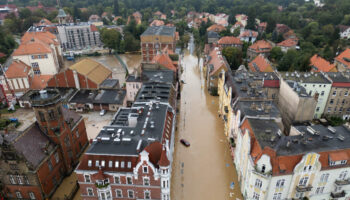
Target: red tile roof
{"points": [[216, 60], [216, 28], [154, 149], [344, 58], [17, 69], [163, 161], [230, 40], [318, 64], [164, 60], [261, 46], [338, 156], [288, 43], [40, 81], [248, 33], [260, 64], [93, 28]]}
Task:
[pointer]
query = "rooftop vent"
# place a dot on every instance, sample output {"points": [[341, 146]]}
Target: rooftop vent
{"points": [[312, 131], [332, 129], [341, 138], [126, 139]]}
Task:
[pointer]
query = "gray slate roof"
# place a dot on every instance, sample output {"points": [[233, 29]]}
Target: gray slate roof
{"points": [[160, 30]]}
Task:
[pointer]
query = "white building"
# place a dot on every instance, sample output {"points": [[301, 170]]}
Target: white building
{"points": [[41, 51], [312, 163]]}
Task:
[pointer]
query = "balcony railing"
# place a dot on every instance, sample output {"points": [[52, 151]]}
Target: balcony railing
{"points": [[342, 182], [301, 188], [338, 194]]}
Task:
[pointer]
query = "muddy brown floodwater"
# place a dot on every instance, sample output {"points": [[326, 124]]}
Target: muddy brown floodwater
{"points": [[131, 60], [205, 169]]}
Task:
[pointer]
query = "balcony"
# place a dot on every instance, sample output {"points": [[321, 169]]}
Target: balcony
{"points": [[302, 188], [342, 182], [338, 194]]}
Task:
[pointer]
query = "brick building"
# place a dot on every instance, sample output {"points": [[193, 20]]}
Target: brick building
{"points": [[86, 74], [155, 39], [34, 162], [131, 158]]}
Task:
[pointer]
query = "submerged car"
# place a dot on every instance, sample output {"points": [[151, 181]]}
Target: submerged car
{"points": [[102, 112], [185, 142]]}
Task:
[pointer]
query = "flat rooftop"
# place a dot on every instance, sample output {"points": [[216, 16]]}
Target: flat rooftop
{"points": [[132, 129], [262, 108], [160, 91], [159, 30], [339, 77], [305, 77], [101, 96]]}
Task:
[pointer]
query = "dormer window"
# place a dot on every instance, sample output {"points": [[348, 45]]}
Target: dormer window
{"points": [[104, 182], [263, 168], [145, 169]]}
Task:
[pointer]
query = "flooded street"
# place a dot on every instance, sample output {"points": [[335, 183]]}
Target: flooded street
{"points": [[118, 72], [205, 169]]}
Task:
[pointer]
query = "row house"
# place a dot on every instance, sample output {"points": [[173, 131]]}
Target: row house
{"points": [[338, 103], [342, 61], [260, 89], [260, 47], [214, 65], [310, 163], [41, 51], [132, 157], [155, 39], [35, 161], [316, 85]]}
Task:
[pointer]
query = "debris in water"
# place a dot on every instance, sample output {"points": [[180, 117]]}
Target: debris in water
{"points": [[232, 185]]}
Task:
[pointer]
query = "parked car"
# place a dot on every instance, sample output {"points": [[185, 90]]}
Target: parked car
{"points": [[185, 142], [102, 112]]}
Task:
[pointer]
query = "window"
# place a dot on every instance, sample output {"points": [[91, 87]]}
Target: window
{"points": [[322, 93], [12, 180], [19, 195], [317, 109], [263, 168], [334, 93], [26, 180], [57, 158], [122, 164], [343, 162], [118, 193], [110, 164], [129, 180], [337, 188], [66, 141], [329, 109], [331, 163], [116, 164], [90, 192], [97, 163], [130, 193], [49, 164], [319, 190], [146, 181], [280, 183], [87, 178], [145, 169], [19, 180], [117, 179], [103, 163], [258, 183], [303, 181], [324, 177], [41, 116], [343, 175], [256, 196], [77, 133], [299, 194], [331, 101], [277, 196], [52, 115], [31, 195], [346, 93], [129, 164], [90, 163], [147, 194]]}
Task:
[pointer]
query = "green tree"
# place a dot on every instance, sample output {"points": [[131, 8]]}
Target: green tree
{"points": [[276, 54], [111, 39], [287, 61], [233, 57], [116, 7], [251, 19]]}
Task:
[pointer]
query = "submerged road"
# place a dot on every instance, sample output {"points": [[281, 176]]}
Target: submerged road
{"points": [[204, 170]]}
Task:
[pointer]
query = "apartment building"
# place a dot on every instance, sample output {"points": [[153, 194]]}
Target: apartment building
{"points": [[35, 161], [342, 61], [131, 158], [338, 103], [80, 36], [260, 47], [155, 39], [316, 85], [311, 162]]}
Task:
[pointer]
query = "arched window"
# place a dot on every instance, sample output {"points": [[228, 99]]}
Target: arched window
{"points": [[263, 168], [303, 181], [343, 175]]}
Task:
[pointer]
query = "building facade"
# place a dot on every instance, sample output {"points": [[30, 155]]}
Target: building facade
{"points": [[155, 39]]}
